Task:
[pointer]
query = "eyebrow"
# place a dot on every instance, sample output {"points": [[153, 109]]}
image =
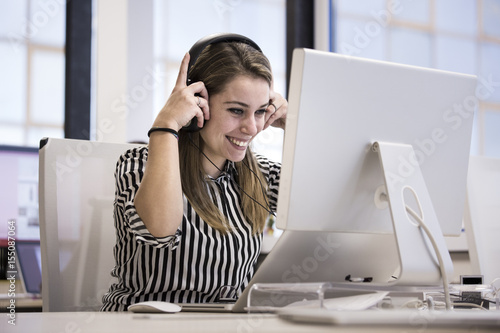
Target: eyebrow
{"points": [[244, 104]]}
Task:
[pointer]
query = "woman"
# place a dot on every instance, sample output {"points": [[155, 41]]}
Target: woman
{"points": [[190, 208]]}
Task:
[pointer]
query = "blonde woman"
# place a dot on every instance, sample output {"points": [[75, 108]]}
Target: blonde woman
{"points": [[190, 207]]}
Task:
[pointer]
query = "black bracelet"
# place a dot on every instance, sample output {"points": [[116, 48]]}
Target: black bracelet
{"points": [[163, 129]]}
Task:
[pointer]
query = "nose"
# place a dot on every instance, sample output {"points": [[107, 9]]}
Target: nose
{"points": [[249, 125]]}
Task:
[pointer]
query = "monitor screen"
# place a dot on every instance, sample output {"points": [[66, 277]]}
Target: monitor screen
{"points": [[29, 262], [19, 192], [339, 106]]}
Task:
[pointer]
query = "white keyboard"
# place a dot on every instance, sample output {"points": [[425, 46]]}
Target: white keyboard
{"points": [[409, 318]]}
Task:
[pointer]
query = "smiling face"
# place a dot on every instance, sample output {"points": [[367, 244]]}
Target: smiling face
{"points": [[237, 115]]}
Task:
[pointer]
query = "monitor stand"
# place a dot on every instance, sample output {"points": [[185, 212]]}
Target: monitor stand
{"points": [[405, 186]]}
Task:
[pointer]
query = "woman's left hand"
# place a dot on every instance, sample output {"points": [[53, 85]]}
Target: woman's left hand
{"points": [[277, 110]]}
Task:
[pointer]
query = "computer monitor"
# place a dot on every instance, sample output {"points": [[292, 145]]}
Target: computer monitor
{"points": [[19, 192], [333, 180], [29, 262], [481, 217]]}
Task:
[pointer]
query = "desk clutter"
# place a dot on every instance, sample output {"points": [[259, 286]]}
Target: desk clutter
{"points": [[474, 306], [271, 297]]}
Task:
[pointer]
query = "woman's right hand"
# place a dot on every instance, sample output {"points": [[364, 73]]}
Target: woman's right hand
{"points": [[162, 180], [185, 102]]}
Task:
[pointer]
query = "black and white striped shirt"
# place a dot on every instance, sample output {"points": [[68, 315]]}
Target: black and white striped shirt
{"points": [[195, 263]]}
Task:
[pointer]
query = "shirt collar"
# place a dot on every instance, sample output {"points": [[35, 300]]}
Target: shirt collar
{"points": [[228, 171]]}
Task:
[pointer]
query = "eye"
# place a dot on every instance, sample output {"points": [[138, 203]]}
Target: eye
{"points": [[236, 111], [261, 112]]}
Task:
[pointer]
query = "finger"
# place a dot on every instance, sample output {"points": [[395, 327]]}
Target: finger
{"points": [[182, 77], [272, 95], [198, 89], [276, 120], [271, 109], [204, 113], [271, 118], [279, 105]]}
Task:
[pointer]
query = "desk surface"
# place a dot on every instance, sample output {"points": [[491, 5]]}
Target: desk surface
{"points": [[55, 322]]}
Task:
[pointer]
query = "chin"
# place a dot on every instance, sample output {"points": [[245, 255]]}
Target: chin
{"points": [[237, 158]]}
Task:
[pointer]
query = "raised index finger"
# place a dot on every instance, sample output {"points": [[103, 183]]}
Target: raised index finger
{"points": [[182, 77]]}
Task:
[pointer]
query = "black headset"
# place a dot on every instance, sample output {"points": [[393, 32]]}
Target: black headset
{"points": [[194, 52], [199, 46]]}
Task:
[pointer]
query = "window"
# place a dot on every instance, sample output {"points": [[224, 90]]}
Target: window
{"points": [[455, 35], [32, 38]]}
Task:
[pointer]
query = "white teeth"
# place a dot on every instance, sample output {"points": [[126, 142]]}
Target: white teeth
{"points": [[238, 143]]}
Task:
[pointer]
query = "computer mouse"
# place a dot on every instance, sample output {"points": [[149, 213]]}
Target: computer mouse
{"points": [[154, 307]]}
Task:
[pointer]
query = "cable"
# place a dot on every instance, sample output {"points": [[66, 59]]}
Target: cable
{"points": [[438, 254], [495, 290], [472, 305], [262, 189], [430, 302], [444, 277], [414, 304], [268, 209]]}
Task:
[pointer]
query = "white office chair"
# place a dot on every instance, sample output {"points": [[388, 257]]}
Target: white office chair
{"points": [[76, 193]]}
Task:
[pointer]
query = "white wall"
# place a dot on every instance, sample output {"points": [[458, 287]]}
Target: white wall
{"points": [[125, 77]]}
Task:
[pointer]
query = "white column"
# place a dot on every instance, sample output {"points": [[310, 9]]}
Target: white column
{"points": [[111, 70], [125, 77], [322, 33], [142, 78]]}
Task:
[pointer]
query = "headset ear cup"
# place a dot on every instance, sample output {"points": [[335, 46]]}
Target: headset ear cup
{"points": [[192, 126]]}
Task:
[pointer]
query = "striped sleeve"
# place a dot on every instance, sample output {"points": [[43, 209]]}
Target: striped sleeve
{"points": [[271, 170], [129, 174]]}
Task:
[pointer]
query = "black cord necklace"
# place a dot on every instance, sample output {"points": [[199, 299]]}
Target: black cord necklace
{"points": [[268, 208]]}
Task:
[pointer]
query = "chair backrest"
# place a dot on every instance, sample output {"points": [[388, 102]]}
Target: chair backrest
{"points": [[76, 194], [482, 216]]}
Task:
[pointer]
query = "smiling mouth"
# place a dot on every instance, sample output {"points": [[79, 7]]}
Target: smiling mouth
{"points": [[238, 142]]}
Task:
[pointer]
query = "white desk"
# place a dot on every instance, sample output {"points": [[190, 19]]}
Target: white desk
{"points": [[82, 322]]}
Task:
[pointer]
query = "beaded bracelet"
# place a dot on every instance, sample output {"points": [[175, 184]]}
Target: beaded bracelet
{"points": [[163, 129]]}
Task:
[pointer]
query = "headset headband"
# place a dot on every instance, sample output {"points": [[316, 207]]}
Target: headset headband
{"points": [[201, 44]]}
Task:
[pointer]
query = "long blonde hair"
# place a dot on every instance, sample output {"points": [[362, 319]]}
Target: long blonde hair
{"points": [[216, 66]]}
